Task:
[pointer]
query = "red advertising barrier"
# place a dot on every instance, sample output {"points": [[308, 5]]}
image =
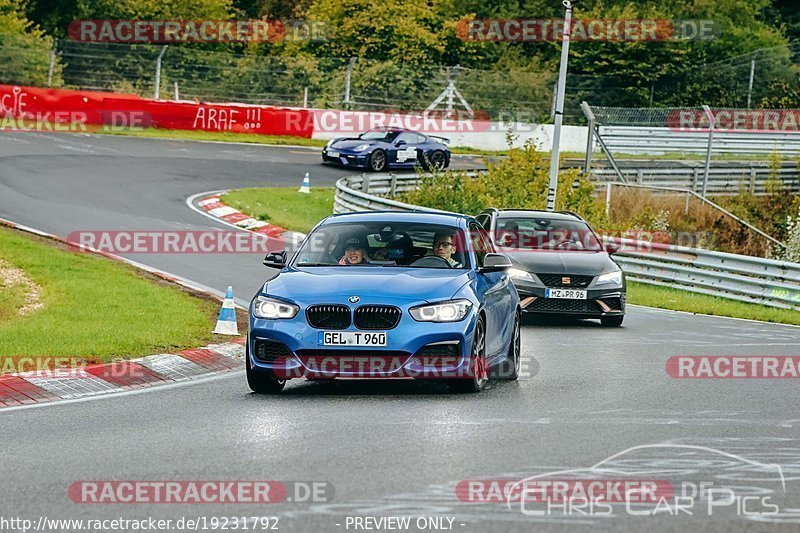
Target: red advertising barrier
{"points": [[35, 109]]}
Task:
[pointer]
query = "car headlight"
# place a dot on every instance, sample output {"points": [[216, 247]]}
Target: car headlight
{"points": [[451, 311], [612, 278], [361, 147], [264, 307], [516, 273]]}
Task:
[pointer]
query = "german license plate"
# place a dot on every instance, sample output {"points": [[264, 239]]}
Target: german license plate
{"points": [[351, 338], [333, 154], [565, 294]]}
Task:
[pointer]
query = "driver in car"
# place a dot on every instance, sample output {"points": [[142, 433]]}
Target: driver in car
{"points": [[444, 246], [355, 252]]}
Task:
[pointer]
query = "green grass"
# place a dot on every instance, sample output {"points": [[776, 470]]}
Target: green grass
{"points": [[94, 308], [284, 206], [254, 138], [198, 135], [666, 298], [12, 299]]}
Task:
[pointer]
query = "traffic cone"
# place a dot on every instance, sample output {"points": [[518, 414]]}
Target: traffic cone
{"points": [[306, 186], [226, 323]]}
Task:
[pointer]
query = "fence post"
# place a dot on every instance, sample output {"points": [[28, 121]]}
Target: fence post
{"points": [[686, 207], [608, 198], [305, 97], [393, 186], [52, 63], [177, 92], [365, 183], [752, 180], [750, 85], [710, 116], [587, 111], [158, 72], [347, 80], [695, 179]]}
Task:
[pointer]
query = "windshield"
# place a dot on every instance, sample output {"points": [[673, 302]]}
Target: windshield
{"points": [[380, 134], [384, 244], [544, 233]]}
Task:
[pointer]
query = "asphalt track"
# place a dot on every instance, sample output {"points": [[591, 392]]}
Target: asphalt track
{"points": [[387, 449]]}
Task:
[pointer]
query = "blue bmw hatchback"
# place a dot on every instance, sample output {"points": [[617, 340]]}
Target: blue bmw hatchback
{"points": [[387, 295]]}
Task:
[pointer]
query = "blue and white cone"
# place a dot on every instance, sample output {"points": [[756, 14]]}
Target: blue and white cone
{"points": [[226, 323], [306, 186]]}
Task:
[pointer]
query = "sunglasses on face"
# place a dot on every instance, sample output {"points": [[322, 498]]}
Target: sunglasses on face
{"points": [[442, 244]]}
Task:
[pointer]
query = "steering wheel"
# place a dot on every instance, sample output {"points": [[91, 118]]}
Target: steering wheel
{"points": [[433, 261]]}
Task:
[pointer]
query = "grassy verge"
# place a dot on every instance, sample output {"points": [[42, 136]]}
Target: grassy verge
{"points": [[94, 308], [198, 135], [666, 298], [284, 206], [254, 138]]}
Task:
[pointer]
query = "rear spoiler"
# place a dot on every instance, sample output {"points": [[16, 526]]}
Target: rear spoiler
{"points": [[445, 140]]}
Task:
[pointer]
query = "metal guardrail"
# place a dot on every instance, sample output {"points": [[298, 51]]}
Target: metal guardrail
{"points": [[652, 140], [722, 180], [735, 277]]}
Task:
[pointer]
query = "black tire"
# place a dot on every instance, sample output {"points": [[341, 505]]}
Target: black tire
{"points": [[612, 321], [477, 378], [262, 381], [509, 369], [377, 161], [437, 161]]}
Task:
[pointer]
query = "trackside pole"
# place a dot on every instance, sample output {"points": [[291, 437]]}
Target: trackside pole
{"points": [[559, 112]]}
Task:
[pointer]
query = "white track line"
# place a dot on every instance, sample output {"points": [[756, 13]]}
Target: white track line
{"points": [[209, 377]]}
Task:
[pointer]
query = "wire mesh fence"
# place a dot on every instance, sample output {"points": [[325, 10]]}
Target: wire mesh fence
{"points": [[707, 150], [192, 73], [759, 79]]}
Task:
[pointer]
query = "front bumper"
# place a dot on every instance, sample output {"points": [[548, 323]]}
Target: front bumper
{"points": [[291, 349], [598, 303], [346, 159]]}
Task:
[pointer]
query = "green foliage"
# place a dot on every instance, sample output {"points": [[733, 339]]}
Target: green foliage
{"points": [[792, 251], [518, 181], [26, 49]]}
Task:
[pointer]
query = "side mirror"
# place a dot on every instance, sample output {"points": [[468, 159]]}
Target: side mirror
{"points": [[275, 260], [495, 263], [612, 248], [400, 143]]}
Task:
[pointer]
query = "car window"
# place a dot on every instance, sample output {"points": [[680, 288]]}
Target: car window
{"points": [[544, 233], [409, 138], [419, 139], [484, 221], [379, 134], [480, 242], [382, 244]]}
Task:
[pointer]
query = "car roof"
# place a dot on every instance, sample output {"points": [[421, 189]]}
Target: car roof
{"points": [[537, 213], [443, 218]]}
